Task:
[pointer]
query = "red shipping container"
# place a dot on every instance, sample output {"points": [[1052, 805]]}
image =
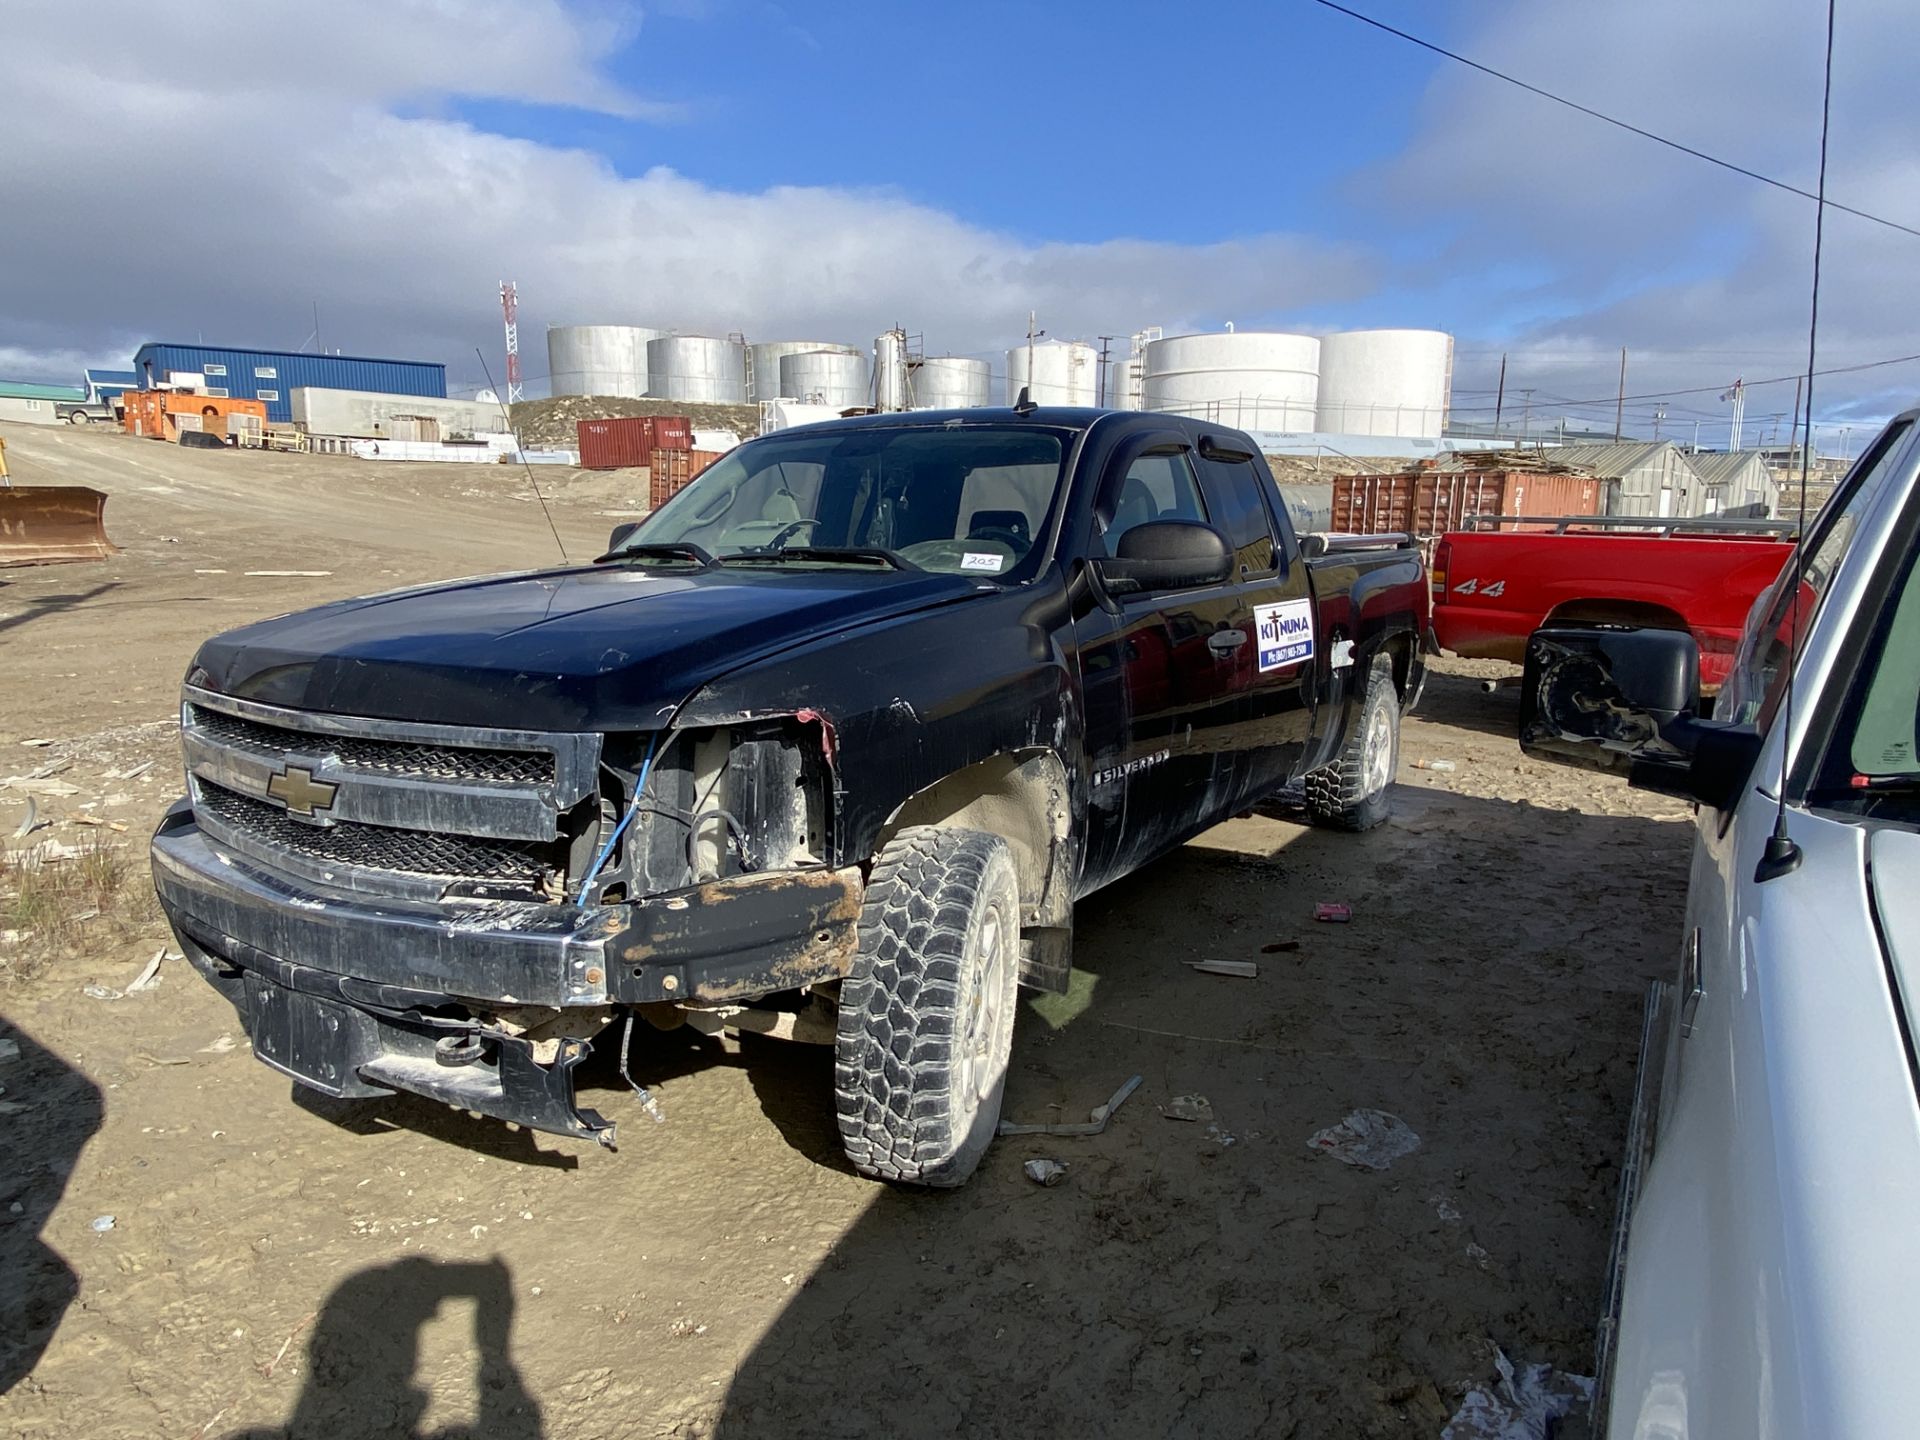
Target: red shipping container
{"points": [[673, 469], [1430, 502], [615, 444], [672, 432]]}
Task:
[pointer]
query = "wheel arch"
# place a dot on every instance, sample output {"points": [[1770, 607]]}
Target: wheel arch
{"points": [[1024, 797]]}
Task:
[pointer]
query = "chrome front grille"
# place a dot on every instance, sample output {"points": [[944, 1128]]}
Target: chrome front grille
{"points": [[380, 847], [378, 757], [389, 806]]}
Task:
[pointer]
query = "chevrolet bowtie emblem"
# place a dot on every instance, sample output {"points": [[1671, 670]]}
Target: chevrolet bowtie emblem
{"points": [[300, 792]]}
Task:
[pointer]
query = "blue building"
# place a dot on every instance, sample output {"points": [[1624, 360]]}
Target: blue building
{"points": [[273, 375]]}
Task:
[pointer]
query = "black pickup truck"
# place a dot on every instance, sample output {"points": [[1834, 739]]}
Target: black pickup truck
{"points": [[827, 748]]}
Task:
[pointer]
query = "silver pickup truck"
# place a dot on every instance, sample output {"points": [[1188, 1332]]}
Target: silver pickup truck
{"points": [[1766, 1274]]}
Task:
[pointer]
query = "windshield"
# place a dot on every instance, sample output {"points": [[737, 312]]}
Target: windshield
{"points": [[963, 499]]}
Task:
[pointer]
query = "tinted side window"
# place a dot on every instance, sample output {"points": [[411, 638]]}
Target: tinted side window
{"points": [[1155, 487], [1754, 689], [1240, 511]]}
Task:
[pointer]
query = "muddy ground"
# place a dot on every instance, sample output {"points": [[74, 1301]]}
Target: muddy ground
{"points": [[279, 1265]]}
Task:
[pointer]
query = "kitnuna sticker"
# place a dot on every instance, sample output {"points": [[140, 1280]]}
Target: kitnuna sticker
{"points": [[1285, 632]]}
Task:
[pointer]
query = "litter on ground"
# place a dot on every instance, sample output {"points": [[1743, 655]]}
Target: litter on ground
{"points": [[1371, 1139], [1045, 1172], [1193, 1108], [1523, 1406]]}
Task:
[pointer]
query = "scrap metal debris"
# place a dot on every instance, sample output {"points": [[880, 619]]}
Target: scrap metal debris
{"points": [[1239, 969], [1188, 1107], [1095, 1123], [1045, 1172], [1371, 1139]]}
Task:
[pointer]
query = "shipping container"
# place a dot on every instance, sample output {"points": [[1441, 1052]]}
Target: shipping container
{"points": [[162, 414], [366, 415], [616, 444], [271, 376], [628, 440], [671, 470], [1430, 502]]}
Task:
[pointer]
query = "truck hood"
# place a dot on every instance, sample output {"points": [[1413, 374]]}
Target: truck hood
{"points": [[593, 648]]}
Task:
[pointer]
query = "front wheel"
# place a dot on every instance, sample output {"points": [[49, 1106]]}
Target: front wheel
{"points": [[1351, 792], [926, 1013]]}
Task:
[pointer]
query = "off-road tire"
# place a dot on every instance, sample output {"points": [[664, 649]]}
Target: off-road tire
{"points": [[79, 417], [926, 1013], [1350, 793]]}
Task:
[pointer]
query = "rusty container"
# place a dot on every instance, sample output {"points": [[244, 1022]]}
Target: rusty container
{"points": [[162, 414], [616, 444], [672, 470], [1430, 502], [672, 432]]}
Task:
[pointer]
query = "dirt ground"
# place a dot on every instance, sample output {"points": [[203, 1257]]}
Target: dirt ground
{"points": [[283, 1266]]}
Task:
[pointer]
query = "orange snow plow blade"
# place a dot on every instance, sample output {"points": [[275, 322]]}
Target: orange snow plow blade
{"points": [[52, 524]]}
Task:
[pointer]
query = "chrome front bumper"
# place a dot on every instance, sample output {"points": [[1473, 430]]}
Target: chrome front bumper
{"points": [[350, 993]]}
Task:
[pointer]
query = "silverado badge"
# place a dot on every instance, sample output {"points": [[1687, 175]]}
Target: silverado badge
{"points": [[300, 792]]}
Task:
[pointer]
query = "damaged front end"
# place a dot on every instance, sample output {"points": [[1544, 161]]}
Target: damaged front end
{"points": [[458, 914]]}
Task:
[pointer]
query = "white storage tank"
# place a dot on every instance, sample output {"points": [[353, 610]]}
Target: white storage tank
{"points": [[763, 364], [890, 371], [1249, 379], [839, 378], [1385, 382], [950, 382], [697, 370], [1064, 373], [599, 359], [1123, 384]]}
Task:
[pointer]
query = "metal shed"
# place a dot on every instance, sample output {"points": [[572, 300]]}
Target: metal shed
{"points": [[271, 376], [1653, 476], [1734, 479]]}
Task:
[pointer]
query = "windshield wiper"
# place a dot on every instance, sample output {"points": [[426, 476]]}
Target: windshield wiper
{"points": [[661, 550], [823, 554]]}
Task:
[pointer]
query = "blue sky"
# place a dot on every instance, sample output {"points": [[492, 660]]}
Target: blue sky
{"points": [[789, 172], [1048, 122]]}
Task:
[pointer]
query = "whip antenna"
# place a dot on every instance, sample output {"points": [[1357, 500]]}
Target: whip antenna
{"points": [[521, 450], [1782, 855]]}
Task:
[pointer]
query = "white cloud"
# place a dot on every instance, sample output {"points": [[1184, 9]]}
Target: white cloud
{"points": [[229, 205], [1701, 274]]}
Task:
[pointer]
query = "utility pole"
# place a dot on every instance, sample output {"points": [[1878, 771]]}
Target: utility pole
{"points": [[1526, 417], [1032, 335], [1620, 404], [1793, 430], [510, 308], [1737, 393], [1500, 395], [1659, 414], [1100, 380]]}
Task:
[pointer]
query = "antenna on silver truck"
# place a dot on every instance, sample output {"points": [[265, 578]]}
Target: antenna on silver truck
{"points": [[1782, 854]]}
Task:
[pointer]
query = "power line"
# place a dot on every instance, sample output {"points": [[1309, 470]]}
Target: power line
{"points": [[1615, 121]]}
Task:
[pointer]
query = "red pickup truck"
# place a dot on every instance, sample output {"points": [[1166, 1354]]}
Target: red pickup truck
{"points": [[1492, 589]]}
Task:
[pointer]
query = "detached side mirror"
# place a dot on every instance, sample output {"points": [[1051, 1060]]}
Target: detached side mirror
{"points": [[1167, 555], [620, 534], [1625, 700]]}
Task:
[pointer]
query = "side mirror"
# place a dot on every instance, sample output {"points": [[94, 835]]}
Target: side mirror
{"points": [[1168, 555], [1625, 700], [620, 534]]}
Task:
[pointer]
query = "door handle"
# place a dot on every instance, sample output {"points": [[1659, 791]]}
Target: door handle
{"points": [[1224, 642], [1691, 992]]}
